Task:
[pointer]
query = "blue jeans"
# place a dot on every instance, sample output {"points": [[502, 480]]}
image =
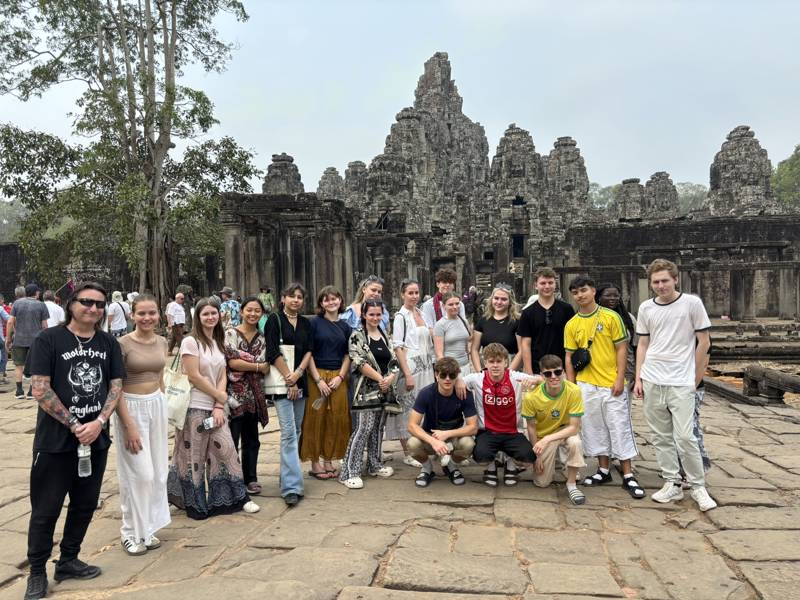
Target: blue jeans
{"points": [[3, 356], [290, 419]]}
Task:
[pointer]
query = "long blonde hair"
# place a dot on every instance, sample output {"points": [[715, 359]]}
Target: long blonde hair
{"points": [[362, 285], [513, 307]]}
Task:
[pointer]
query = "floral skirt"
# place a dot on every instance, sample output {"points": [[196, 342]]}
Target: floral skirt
{"points": [[205, 457]]}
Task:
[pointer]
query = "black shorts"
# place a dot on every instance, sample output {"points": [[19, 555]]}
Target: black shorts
{"points": [[515, 445]]}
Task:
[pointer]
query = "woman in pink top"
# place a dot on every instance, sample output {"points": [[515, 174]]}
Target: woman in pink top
{"points": [[204, 449]]}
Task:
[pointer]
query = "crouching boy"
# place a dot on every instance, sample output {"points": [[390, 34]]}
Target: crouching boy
{"points": [[553, 412], [442, 425]]}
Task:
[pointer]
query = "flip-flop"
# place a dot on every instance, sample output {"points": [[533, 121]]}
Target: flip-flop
{"points": [[254, 488], [322, 475]]}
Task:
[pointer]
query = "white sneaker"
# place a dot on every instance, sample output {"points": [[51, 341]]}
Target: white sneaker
{"points": [[384, 472], [132, 547], [251, 507], [412, 462], [704, 501], [354, 483], [152, 543], [668, 493]]}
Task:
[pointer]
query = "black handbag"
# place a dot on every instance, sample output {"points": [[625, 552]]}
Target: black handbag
{"points": [[582, 357]]}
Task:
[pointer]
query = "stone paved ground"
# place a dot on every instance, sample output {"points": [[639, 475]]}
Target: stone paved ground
{"points": [[391, 541]]}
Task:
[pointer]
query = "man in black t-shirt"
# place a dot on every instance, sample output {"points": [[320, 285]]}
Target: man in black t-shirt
{"points": [[76, 371], [541, 325], [442, 425]]}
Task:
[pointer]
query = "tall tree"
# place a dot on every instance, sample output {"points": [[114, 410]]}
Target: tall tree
{"points": [[786, 180], [128, 55]]}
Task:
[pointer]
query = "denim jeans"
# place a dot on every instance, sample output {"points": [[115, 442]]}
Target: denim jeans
{"points": [[3, 356], [290, 419]]}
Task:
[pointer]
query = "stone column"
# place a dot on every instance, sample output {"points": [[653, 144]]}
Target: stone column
{"points": [[749, 295], [789, 294], [234, 256], [685, 281], [632, 282], [736, 296]]}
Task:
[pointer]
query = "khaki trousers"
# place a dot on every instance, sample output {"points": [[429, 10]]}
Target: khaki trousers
{"points": [[571, 447], [462, 448]]}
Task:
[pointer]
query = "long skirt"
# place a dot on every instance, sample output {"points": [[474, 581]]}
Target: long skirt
{"points": [[143, 476], [420, 363], [205, 457], [326, 430]]}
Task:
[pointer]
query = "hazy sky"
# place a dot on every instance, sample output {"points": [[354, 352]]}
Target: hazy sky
{"points": [[643, 86]]}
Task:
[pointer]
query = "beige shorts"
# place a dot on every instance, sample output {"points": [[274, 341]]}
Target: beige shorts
{"points": [[462, 448], [570, 451]]}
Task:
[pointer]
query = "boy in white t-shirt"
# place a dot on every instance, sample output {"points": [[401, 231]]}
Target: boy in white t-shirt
{"points": [[673, 331]]}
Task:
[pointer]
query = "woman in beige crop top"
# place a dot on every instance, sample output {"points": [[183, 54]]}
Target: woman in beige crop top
{"points": [[141, 420]]}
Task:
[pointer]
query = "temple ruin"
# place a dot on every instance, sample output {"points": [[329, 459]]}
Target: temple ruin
{"points": [[433, 198]]}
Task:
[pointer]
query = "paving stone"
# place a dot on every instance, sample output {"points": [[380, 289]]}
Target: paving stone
{"points": [[644, 582], [485, 540], [118, 568], [555, 578], [583, 517], [9, 573], [751, 437], [622, 548], [635, 519], [773, 580], [215, 587], [734, 469], [374, 539], [746, 497], [745, 517], [426, 538], [535, 515], [14, 548], [292, 534], [528, 491], [784, 461], [178, 564], [686, 567], [375, 593], [757, 544], [423, 570], [583, 547], [777, 425], [324, 569]]}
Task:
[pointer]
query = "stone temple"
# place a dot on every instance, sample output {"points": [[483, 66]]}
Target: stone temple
{"points": [[433, 198]]}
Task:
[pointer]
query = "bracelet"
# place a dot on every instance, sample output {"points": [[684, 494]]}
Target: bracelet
{"points": [[317, 380], [218, 406], [102, 419]]}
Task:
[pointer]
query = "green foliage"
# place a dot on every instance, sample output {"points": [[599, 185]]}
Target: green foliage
{"points": [[11, 216], [691, 196], [602, 197], [786, 180]]}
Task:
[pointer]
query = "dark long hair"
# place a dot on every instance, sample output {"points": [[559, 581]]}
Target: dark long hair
{"points": [[217, 335], [88, 285], [621, 308], [371, 304]]}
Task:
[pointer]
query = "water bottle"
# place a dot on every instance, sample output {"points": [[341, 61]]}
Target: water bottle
{"points": [[84, 460]]}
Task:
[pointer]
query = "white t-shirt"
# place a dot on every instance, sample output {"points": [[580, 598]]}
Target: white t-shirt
{"points": [[671, 329], [177, 313], [56, 313], [211, 363], [117, 313]]}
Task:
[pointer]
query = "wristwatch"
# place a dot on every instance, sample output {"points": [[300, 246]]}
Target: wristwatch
{"points": [[102, 420], [73, 422]]}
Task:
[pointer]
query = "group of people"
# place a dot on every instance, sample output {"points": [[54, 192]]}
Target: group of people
{"points": [[518, 389]]}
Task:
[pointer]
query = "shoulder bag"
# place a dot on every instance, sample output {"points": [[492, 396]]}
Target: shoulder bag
{"points": [[274, 383], [177, 391], [582, 357]]}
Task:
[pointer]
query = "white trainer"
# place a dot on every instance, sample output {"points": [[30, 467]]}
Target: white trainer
{"points": [[668, 493], [704, 501], [152, 543], [384, 472], [132, 547], [251, 507], [354, 483], [412, 462]]}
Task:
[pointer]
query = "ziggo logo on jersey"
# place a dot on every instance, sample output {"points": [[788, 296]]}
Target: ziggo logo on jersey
{"points": [[498, 400]]}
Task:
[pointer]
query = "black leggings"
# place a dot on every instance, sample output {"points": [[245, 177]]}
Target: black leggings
{"points": [[53, 476], [245, 427]]}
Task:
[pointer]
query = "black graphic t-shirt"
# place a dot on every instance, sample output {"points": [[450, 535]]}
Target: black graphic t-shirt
{"points": [[79, 377], [545, 327]]}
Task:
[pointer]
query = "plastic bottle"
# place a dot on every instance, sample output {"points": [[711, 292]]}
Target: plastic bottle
{"points": [[84, 460]]}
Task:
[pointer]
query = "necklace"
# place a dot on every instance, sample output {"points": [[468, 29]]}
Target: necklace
{"points": [[80, 343]]}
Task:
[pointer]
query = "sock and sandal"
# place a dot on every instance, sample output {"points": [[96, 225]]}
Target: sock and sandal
{"points": [[510, 473], [629, 482]]}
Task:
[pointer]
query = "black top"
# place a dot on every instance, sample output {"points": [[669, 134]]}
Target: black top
{"points": [[381, 353], [545, 328], [301, 338], [503, 331], [79, 377], [330, 342], [429, 402]]}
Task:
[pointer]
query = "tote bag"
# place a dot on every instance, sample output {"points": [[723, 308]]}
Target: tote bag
{"points": [[177, 390], [274, 383]]}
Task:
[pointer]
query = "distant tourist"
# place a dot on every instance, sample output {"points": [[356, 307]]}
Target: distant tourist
{"points": [[326, 423], [370, 288], [230, 309], [433, 309], [374, 361], [596, 344], [452, 334], [412, 343], [204, 449], [77, 373], [470, 301], [118, 313], [140, 423], [55, 311], [674, 339], [610, 296], [267, 299], [541, 326], [4, 317], [246, 356], [176, 321], [288, 327], [28, 317], [442, 425], [498, 323]]}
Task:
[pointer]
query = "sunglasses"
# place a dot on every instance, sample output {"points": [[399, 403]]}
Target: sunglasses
{"points": [[450, 376], [504, 286], [87, 302], [374, 279], [553, 373]]}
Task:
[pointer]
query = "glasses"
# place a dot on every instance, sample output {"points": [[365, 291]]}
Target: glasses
{"points": [[553, 373], [87, 302], [504, 286], [548, 314], [450, 376]]}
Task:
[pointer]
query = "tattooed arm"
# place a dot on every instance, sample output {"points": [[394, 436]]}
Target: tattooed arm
{"points": [[88, 432], [48, 401]]}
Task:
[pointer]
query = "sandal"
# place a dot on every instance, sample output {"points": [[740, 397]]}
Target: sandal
{"points": [[322, 475], [490, 478], [424, 479], [455, 475], [576, 496], [254, 488], [511, 476], [634, 489], [598, 478]]}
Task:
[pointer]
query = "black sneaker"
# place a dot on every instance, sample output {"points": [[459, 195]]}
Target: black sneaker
{"points": [[37, 586], [75, 569], [291, 499], [598, 478], [19, 394]]}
